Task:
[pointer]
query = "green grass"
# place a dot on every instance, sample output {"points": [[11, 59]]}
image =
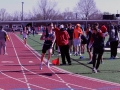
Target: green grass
{"points": [[109, 71]]}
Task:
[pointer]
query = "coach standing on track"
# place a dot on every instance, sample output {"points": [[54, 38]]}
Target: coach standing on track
{"points": [[3, 35], [63, 43]]}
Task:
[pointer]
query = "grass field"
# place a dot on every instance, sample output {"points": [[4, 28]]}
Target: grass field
{"points": [[109, 71]]}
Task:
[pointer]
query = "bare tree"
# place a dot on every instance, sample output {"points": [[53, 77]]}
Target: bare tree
{"points": [[67, 14], [97, 15], [29, 16], [16, 16], [9, 18], [3, 14], [46, 10], [86, 8]]}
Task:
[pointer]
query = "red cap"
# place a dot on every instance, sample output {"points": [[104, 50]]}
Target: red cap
{"points": [[103, 29]]}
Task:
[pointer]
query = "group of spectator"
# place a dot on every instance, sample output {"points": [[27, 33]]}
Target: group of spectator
{"points": [[71, 39]]}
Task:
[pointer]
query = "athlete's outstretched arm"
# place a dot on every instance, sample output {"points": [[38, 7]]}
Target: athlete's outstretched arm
{"points": [[43, 36], [54, 38]]}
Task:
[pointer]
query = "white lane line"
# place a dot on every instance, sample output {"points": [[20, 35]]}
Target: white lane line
{"points": [[26, 77], [30, 61], [1, 89], [20, 64], [62, 80], [84, 77], [52, 71], [2, 72], [70, 73], [57, 80], [7, 62], [23, 81]]}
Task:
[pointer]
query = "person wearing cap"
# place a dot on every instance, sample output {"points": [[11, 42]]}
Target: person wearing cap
{"points": [[63, 43], [3, 38], [25, 36], [49, 38], [77, 39]]}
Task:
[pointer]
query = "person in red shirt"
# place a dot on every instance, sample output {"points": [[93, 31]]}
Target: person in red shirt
{"points": [[56, 30], [38, 28], [63, 43]]}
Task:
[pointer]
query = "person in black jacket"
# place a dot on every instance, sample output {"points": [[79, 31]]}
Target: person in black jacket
{"points": [[63, 43], [70, 30], [97, 41], [33, 29], [114, 40]]}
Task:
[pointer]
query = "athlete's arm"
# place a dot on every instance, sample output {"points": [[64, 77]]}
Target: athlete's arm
{"points": [[43, 36], [54, 38], [91, 42]]}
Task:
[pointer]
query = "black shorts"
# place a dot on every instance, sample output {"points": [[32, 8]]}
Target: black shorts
{"points": [[46, 47], [98, 50], [84, 40]]}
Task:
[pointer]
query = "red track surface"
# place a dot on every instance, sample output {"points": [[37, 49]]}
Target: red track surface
{"points": [[19, 70]]}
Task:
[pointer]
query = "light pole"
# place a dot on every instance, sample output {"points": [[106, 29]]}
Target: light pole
{"points": [[22, 10]]}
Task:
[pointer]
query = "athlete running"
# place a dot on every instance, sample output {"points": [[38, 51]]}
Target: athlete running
{"points": [[49, 37]]}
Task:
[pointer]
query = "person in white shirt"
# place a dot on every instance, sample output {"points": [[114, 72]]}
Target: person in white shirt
{"points": [[25, 32]]}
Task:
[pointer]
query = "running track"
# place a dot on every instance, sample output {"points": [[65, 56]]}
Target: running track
{"points": [[19, 70]]}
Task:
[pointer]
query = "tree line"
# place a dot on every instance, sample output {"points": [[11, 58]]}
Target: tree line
{"points": [[46, 10]]}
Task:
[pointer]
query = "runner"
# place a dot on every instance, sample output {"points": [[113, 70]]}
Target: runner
{"points": [[49, 37], [25, 33]]}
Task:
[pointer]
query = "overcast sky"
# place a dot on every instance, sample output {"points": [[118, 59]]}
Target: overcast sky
{"points": [[111, 6]]}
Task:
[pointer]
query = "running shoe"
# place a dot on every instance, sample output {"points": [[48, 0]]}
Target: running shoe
{"points": [[48, 65], [94, 70], [40, 66]]}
